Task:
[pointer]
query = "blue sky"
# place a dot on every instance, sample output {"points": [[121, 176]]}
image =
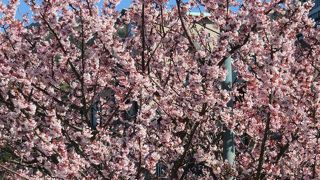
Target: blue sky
{"points": [[24, 9]]}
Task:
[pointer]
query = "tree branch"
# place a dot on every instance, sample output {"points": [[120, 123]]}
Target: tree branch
{"points": [[179, 162], [143, 39], [13, 172], [184, 26]]}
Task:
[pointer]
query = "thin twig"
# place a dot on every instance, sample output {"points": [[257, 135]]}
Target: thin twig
{"points": [[143, 39], [14, 172], [184, 26]]}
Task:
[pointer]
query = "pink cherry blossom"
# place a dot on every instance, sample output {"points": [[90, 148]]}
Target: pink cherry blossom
{"points": [[80, 99]]}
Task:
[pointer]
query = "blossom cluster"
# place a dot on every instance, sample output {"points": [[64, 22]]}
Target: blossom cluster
{"points": [[160, 90]]}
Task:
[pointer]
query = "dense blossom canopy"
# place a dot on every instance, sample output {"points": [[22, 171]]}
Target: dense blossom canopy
{"points": [[159, 89]]}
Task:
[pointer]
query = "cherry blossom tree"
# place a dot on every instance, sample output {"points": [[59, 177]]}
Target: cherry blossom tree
{"points": [[78, 101]]}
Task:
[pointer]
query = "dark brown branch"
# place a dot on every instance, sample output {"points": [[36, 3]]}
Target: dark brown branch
{"points": [[265, 138], [89, 7], [184, 26], [79, 151], [9, 104], [139, 168], [83, 99], [46, 93], [238, 46], [54, 34], [285, 148], [263, 148], [143, 39], [8, 37], [115, 111], [13, 172], [178, 163]]}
